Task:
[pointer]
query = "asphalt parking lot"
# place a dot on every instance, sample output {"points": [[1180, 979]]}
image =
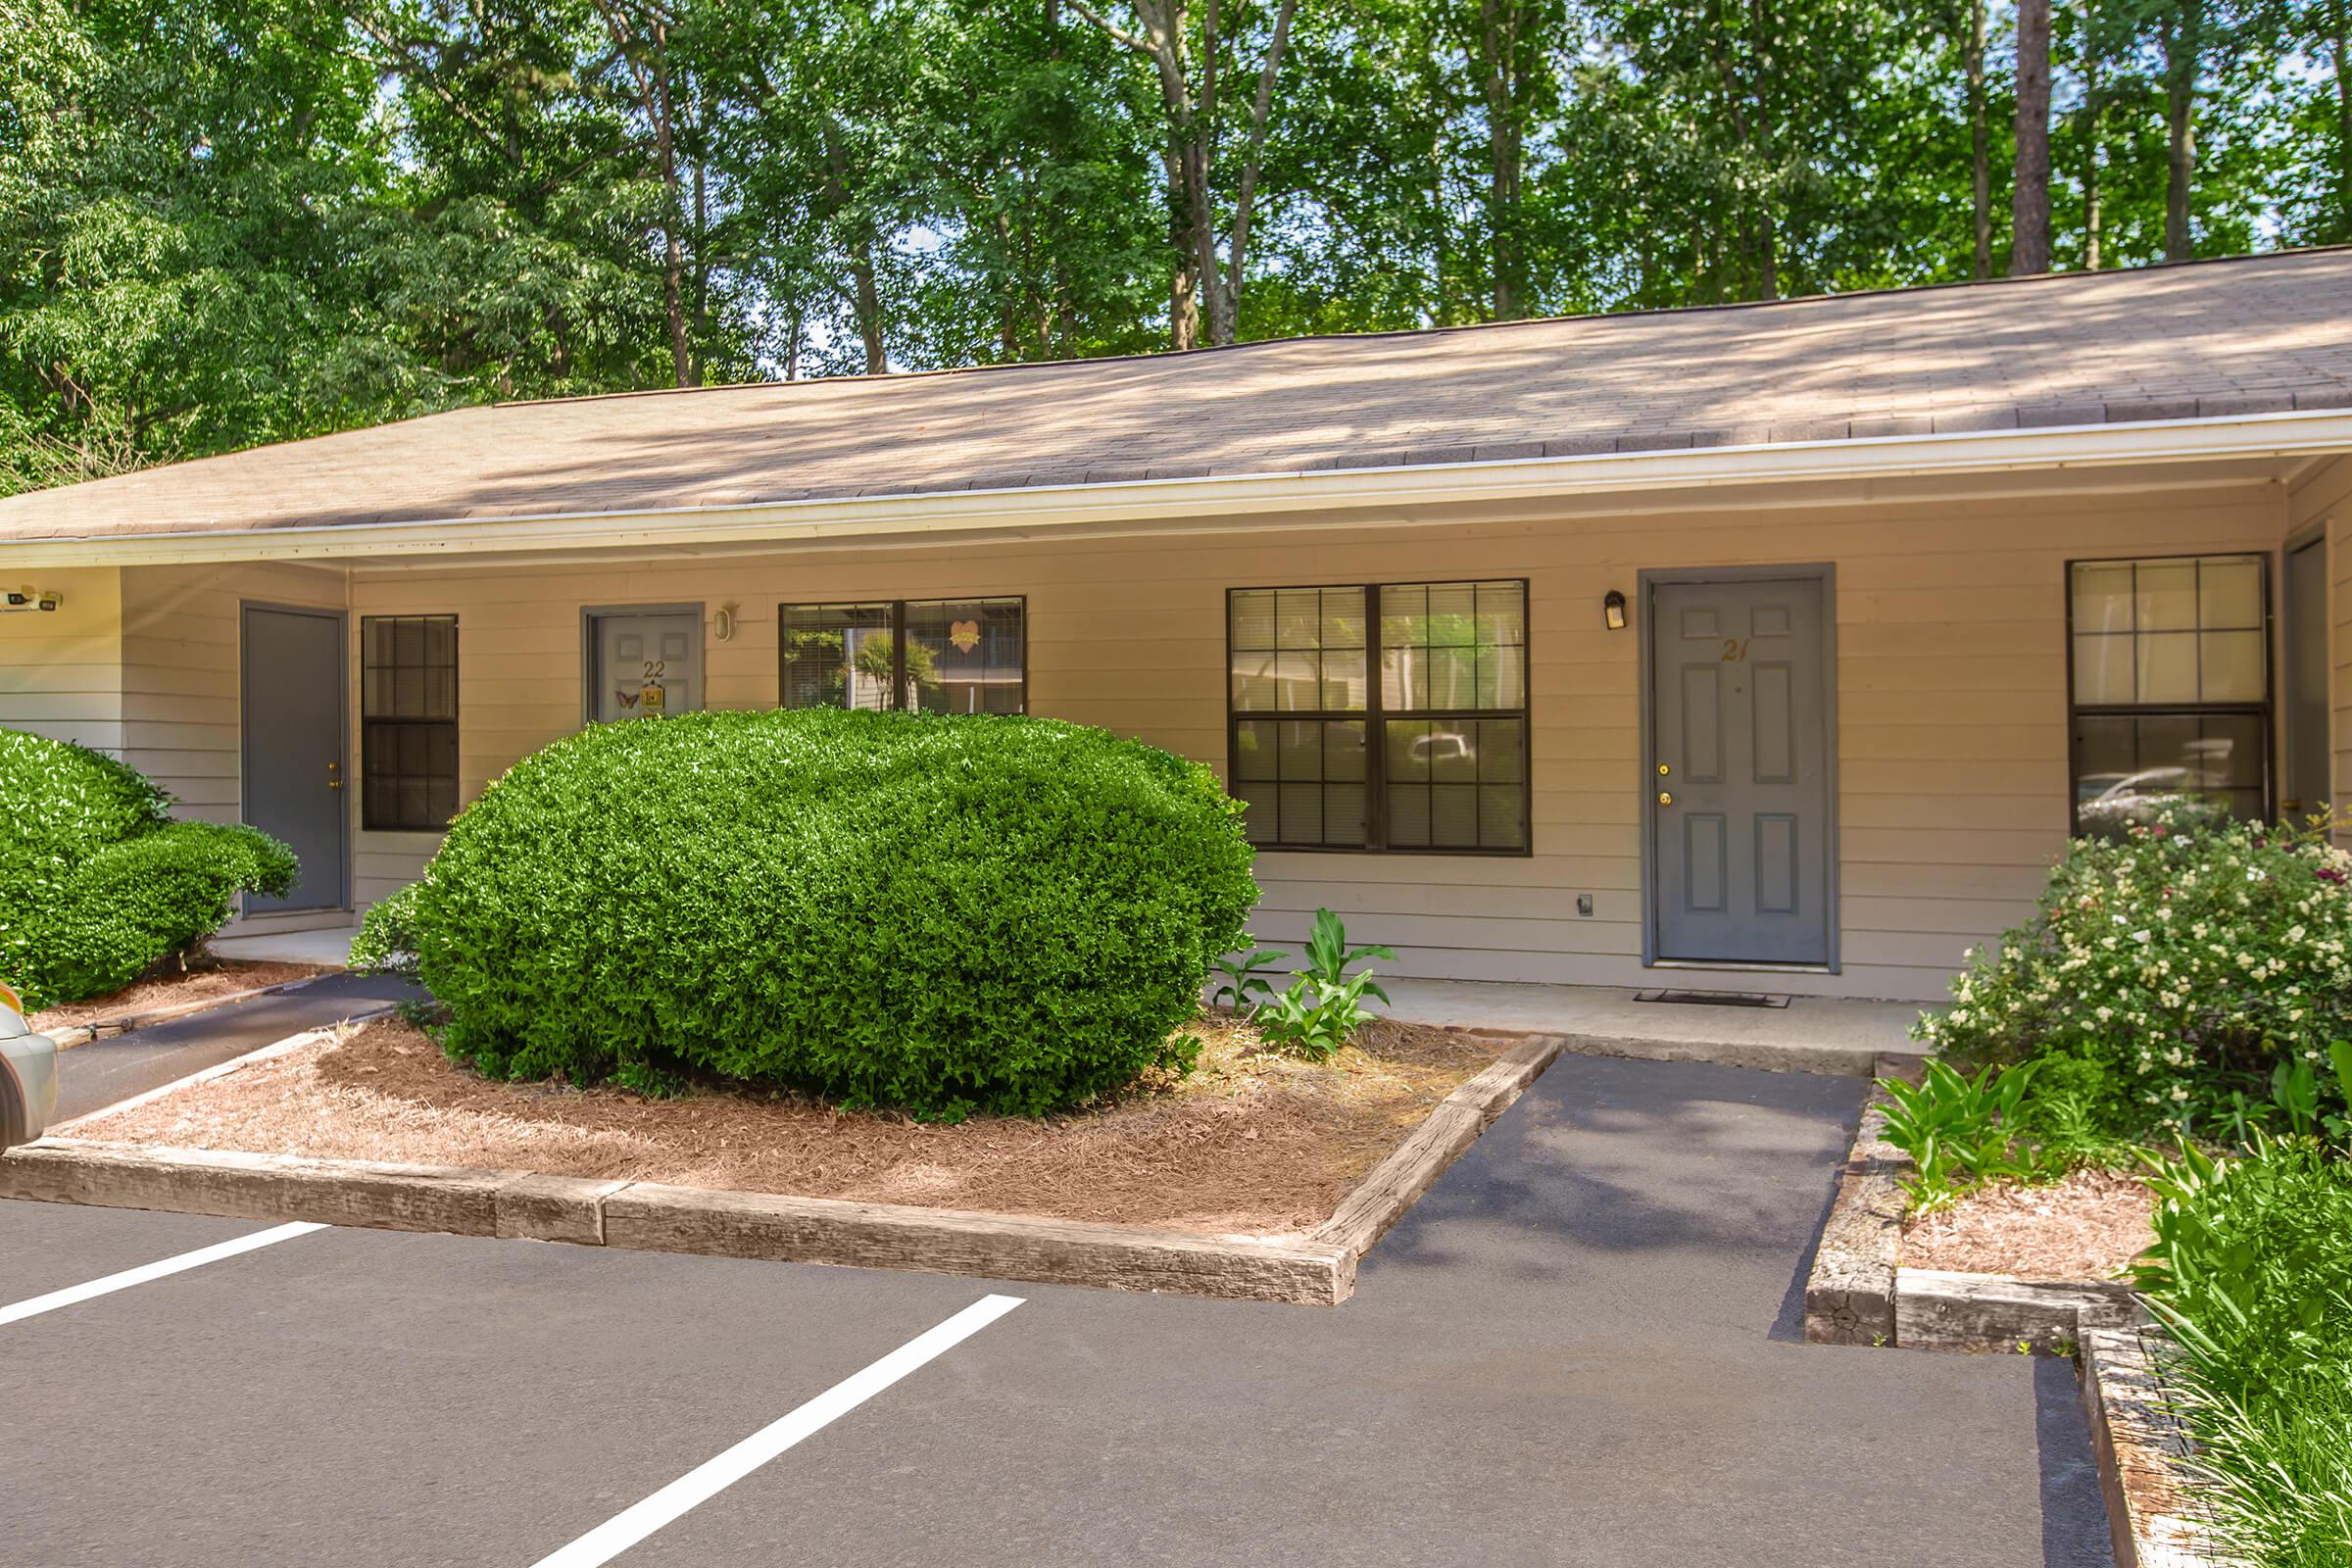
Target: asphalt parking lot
{"points": [[1580, 1348]]}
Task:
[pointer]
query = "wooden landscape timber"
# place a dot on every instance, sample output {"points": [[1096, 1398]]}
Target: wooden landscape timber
{"points": [[1317, 1269]]}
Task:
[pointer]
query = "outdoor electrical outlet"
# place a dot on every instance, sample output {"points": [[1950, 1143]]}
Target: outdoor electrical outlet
{"points": [[1584, 904]]}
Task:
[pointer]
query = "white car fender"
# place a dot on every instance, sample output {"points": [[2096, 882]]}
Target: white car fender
{"points": [[28, 1075]]}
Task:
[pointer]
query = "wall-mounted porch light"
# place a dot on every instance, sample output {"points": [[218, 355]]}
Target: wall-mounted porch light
{"points": [[1612, 611]]}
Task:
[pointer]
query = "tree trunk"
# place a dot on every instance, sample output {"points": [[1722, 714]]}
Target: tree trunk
{"points": [[2029, 239], [2342, 39], [674, 250], [1184, 277], [866, 297], [1238, 245], [1193, 269], [1755, 247], [701, 266], [1980, 138], [2183, 46], [1765, 74], [652, 77], [1196, 278], [1499, 25], [2092, 112], [1008, 307], [869, 307], [1440, 254]]}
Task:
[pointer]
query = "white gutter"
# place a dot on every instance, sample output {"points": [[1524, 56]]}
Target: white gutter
{"points": [[1051, 506]]}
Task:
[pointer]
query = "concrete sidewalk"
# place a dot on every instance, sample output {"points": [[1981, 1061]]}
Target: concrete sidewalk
{"points": [[106, 1071], [1812, 1034], [330, 946]]}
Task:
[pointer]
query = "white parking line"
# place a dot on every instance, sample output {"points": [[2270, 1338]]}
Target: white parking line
{"points": [[706, 1480], [153, 1271]]}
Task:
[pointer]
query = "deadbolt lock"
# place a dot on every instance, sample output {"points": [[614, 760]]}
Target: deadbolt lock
{"points": [[1665, 797], [1663, 771]]}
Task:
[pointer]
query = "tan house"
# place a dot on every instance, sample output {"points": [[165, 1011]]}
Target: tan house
{"points": [[1789, 637]]}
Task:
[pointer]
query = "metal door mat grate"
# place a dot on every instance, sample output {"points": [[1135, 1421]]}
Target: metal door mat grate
{"points": [[1714, 999]]}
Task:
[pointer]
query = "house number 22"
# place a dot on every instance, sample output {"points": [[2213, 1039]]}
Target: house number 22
{"points": [[1734, 650], [656, 667]]}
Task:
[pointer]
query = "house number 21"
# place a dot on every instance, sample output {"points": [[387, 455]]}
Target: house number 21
{"points": [[1734, 650]]}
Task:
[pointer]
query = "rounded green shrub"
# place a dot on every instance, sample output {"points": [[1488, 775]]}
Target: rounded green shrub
{"points": [[940, 913], [142, 898], [97, 883]]}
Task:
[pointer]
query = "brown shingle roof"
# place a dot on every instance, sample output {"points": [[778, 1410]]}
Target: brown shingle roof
{"points": [[2253, 335]]}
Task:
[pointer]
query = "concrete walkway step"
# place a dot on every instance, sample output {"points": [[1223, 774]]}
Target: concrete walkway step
{"points": [[1811, 1034]]}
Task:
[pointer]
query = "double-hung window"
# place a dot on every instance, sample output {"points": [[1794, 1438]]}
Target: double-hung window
{"points": [[2171, 682], [1381, 716], [408, 722], [934, 656]]}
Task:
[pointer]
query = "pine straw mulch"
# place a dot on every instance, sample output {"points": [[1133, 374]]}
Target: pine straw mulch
{"points": [[1251, 1142], [2091, 1226], [203, 980]]}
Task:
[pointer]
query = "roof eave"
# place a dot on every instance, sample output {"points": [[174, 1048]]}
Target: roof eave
{"points": [[2301, 433]]}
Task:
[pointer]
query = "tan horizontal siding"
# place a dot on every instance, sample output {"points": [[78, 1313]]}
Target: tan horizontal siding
{"points": [[61, 671], [1951, 695], [182, 629]]}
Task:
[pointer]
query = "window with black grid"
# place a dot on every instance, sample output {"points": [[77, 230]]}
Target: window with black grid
{"points": [[1386, 716], [408, 721], [2170, 684]]}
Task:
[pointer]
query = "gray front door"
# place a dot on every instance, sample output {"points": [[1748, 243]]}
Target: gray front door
{"points": [[646, 664], [293, 716], [1740, 772]]}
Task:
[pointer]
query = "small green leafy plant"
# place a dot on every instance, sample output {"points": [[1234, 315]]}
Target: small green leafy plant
{"points": [[1960, 1132], [1240, 986], [1325, 1004]]}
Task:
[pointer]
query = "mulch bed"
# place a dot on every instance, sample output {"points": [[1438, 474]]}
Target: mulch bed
{"points": [[200, 981], [2091, 1226], [1251, 1142]]}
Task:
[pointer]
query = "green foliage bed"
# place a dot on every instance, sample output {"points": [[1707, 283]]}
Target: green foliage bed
{"points": [[2187, 983], [97, 883], [2252, 1271], [942, 914]]}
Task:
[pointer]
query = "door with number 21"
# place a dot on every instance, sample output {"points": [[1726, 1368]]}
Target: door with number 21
{"points": [[1739, 771]]}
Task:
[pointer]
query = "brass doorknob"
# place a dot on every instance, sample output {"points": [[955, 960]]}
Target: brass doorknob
{"points": [[1665, 797]]}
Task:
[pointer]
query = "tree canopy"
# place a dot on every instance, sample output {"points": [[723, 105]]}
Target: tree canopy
{"points": [[231, 222]]}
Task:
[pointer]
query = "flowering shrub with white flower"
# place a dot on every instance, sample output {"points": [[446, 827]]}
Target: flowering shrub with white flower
{"points": [[2175, 963]]}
